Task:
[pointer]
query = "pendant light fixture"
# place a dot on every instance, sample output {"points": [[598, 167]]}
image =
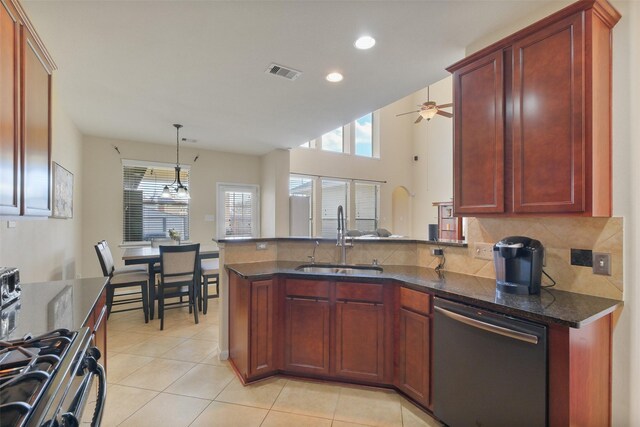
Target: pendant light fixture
{"points": [[180, 191]]}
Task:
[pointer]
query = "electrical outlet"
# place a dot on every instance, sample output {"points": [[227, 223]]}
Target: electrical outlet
{"points": [[602, 263], [582, 257], [261, 246], [11, 224], [483, 251], [437, 252]]}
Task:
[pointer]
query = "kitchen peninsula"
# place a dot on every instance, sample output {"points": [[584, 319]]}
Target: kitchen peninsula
{"points": [[377, 328]]}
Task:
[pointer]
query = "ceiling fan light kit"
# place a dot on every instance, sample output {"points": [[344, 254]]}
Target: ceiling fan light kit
{"points": [[429, 110]]}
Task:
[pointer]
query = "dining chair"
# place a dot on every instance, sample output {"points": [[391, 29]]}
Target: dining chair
{"points": [[179, 273], [210, 273], [122, 278]]}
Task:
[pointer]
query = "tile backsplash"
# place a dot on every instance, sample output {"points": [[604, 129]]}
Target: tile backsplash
{"points": [[558, 235]]}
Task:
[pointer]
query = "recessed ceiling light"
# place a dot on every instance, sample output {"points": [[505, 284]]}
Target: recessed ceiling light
{"points": [[334, 77], [365, 42]]}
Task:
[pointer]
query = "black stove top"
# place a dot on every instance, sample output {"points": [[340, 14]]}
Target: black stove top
{"points": [[27, 367]]}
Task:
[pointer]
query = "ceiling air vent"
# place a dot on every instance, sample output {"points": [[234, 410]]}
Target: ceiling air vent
{"points": [[282, 71]]}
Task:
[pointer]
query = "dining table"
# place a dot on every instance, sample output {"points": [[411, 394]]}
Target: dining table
{"points": [[151, 255]]}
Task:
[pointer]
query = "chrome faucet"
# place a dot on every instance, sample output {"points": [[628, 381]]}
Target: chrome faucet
{"points": [[312, 258], [341, 238]]}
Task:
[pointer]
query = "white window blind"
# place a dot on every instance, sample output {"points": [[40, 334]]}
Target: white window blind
{"points": [[367, 196], [334, 193], [146, 215], [238, 214], [300, 186]]}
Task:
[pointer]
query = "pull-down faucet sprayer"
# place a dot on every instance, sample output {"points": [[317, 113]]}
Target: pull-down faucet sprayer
{"points": [[341, 237]]}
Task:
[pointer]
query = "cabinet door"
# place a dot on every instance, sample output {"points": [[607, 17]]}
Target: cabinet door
{"points": [[478, 151], [262, 332], [9, 124], [548, 119], [359, 349], [36, 130], [307, 329], [414, 347]]}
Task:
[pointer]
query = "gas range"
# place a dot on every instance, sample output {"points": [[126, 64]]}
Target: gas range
{"points": [[46, 381]]}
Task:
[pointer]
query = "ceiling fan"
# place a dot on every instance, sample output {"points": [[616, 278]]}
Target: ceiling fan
{"points": [[429, 109]]}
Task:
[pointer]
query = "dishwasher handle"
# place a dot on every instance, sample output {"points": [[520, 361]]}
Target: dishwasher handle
{"points": [[510, 333]]}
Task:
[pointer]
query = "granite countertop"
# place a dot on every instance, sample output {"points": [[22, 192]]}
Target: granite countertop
{"points": [[551, 306], [45, 306], [360, 239]]}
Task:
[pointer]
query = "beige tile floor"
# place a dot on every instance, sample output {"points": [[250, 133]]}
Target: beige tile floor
{"points": [[175, 378]]}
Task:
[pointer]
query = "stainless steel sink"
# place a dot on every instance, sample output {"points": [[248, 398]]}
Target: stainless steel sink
{"points": [[339, 269]]}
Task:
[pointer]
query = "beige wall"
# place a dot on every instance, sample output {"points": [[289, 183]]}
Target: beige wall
{"points": [[102, 201], [49, 249], [274, 194]]}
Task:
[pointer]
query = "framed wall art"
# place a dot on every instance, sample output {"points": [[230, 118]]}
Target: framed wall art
{"points": [[62, 192]]}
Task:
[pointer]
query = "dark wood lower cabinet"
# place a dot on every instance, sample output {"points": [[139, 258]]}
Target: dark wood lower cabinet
{"points": [[97, 322], [359, 348], [414, 357], [262, 330], [307, 332], [251, 326], [380, 334]]}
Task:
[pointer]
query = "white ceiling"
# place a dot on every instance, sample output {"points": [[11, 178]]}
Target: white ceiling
{"points": [[130, 69]]}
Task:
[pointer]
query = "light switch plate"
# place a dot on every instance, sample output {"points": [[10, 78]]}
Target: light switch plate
{"points": [[602, 263], [483, 251], [11, 224]]}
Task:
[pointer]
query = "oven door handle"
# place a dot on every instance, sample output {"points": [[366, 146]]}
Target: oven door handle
{"points": [[71, 417], [102, 397]]}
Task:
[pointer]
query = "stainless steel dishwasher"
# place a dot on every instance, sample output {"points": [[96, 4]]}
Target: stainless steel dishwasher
{"points": [[489, 370]]}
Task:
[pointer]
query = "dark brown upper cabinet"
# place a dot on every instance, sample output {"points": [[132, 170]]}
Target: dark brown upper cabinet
{"points": [[25, 108], [532, 123]]}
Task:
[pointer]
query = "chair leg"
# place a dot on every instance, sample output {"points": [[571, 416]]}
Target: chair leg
{"points": [[205, 296], [192, 301], [161, 306], [202, 285], [110, 293], [145, 300]]}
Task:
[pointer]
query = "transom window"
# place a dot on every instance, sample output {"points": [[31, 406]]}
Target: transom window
{"points": [[364, 135], [146, 215], [333, 141]]}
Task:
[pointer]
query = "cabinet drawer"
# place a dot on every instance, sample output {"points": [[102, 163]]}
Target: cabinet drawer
{"points": [[418, 302], [307, 288], [368, 292]]}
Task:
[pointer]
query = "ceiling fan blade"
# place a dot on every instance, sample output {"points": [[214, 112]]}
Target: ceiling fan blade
{"points": [[444, 113], [408, 112], [418, 120], [445, 105]]}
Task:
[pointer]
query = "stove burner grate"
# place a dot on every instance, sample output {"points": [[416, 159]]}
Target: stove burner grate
{"points": [[25, 369]]}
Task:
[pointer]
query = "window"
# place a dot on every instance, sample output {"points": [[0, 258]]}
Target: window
{"points": [[367, 206], [238, 211], [364, 135], [334, 193], [306, 144], [300, 210], [333, 141], [146, 215]]}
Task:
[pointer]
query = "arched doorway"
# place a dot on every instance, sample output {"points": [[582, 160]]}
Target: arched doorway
{"points": [[401, 211]]}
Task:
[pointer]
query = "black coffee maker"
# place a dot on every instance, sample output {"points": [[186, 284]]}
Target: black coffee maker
{"points": [[518, 262]]}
